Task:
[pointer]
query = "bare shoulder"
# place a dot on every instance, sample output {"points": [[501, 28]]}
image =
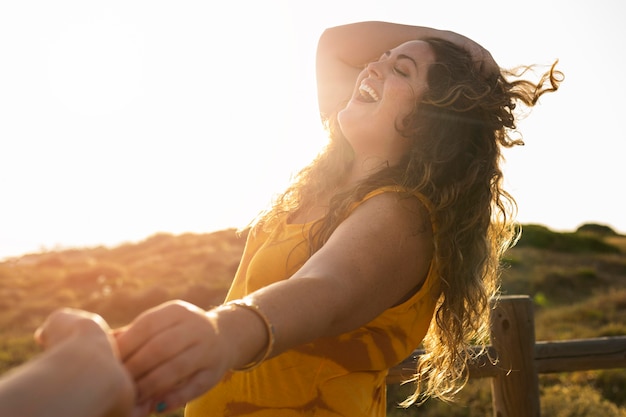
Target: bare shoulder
{"points": [[393, 210], [389, 225], [388, 235]]}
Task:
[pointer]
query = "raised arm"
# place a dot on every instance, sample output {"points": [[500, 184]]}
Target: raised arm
{"points": [[343, 51]]}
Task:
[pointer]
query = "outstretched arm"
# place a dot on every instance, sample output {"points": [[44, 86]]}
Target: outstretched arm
{"points": [[343, 51], [177, 351], [78, 375]]}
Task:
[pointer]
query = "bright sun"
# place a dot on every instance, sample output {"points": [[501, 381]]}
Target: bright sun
{"points": [[139, 128]]}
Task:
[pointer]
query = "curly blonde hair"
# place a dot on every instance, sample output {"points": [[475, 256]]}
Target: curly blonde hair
{"points": [[456, 133]]}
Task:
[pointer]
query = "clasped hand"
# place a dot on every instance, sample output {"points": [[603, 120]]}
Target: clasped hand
{"points": [[173, 353], [167, 356]]}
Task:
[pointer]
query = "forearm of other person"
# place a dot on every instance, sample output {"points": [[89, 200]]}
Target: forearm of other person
{"points": [[79, 375]]}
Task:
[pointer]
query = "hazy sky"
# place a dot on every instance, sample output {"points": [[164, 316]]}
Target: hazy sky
{"points": [[121, 119]]}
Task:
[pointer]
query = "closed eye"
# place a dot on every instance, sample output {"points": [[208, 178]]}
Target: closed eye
{"points": [[400, 57], [400, 72]]}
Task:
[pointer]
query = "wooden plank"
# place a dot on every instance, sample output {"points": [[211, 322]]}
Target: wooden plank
{"points": [[550, 357], [581, 355], [481, 368]]}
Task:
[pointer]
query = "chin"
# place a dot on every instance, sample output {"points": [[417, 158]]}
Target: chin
{"points": [[350, 121]]}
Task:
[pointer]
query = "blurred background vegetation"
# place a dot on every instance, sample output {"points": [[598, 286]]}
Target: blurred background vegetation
{"points": [[577, 281]]}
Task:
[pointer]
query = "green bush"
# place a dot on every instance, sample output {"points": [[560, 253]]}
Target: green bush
{"points": [[543, 238], [567, 286], [597, 229]]}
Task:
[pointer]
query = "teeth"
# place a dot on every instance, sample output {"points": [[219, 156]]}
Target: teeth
{"points": [[368, 91]]}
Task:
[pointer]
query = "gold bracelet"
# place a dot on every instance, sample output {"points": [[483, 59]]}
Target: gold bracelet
{"points": [[249, 305]]}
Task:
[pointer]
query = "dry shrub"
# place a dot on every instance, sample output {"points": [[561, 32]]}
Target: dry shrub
{"points": [[612, 385], [577, 401], [473, 401]]}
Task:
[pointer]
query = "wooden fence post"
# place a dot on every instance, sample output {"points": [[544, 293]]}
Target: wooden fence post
{"points": [[515, 381], [515, 390]]}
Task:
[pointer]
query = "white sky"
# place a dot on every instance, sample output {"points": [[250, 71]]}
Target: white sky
{"points": [[121, 119]]}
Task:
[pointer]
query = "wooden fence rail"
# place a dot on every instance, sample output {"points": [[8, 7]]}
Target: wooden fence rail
{"points": [[514, 360]]}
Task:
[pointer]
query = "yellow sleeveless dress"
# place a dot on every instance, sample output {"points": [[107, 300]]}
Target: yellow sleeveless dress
{"points": [[335, 376]]}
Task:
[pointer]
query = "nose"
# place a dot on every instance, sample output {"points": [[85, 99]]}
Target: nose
{"points": [[375, 69]]}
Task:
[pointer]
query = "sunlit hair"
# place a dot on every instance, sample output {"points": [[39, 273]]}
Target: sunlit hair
{"points": [[456, 133]]}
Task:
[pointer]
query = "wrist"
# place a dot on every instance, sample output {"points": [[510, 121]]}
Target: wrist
{"points": [[244, 333], [267, 351]]}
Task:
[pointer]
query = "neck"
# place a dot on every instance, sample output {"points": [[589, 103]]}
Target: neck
{"points": [[366, 166]]}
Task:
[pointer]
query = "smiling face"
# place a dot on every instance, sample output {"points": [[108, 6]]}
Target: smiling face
{"points": [[386, 91]]}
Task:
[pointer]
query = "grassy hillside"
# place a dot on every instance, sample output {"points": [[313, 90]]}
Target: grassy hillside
{"points": [[117, 283], [576, 279]]}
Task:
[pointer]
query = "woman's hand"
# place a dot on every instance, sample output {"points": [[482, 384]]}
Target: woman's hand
{"points": [[483, 60], [173, 353]]}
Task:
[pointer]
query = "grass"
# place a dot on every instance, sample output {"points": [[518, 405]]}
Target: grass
{"points": [[577, 281]]}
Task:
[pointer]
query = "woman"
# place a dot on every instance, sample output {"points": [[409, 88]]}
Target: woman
{"points": [[400, 219]]}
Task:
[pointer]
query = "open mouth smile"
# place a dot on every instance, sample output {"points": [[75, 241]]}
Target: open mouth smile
{"points": [[367, 93]]}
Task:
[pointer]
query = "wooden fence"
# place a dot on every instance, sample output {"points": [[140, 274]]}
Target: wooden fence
{"points": [[519, 359]]}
